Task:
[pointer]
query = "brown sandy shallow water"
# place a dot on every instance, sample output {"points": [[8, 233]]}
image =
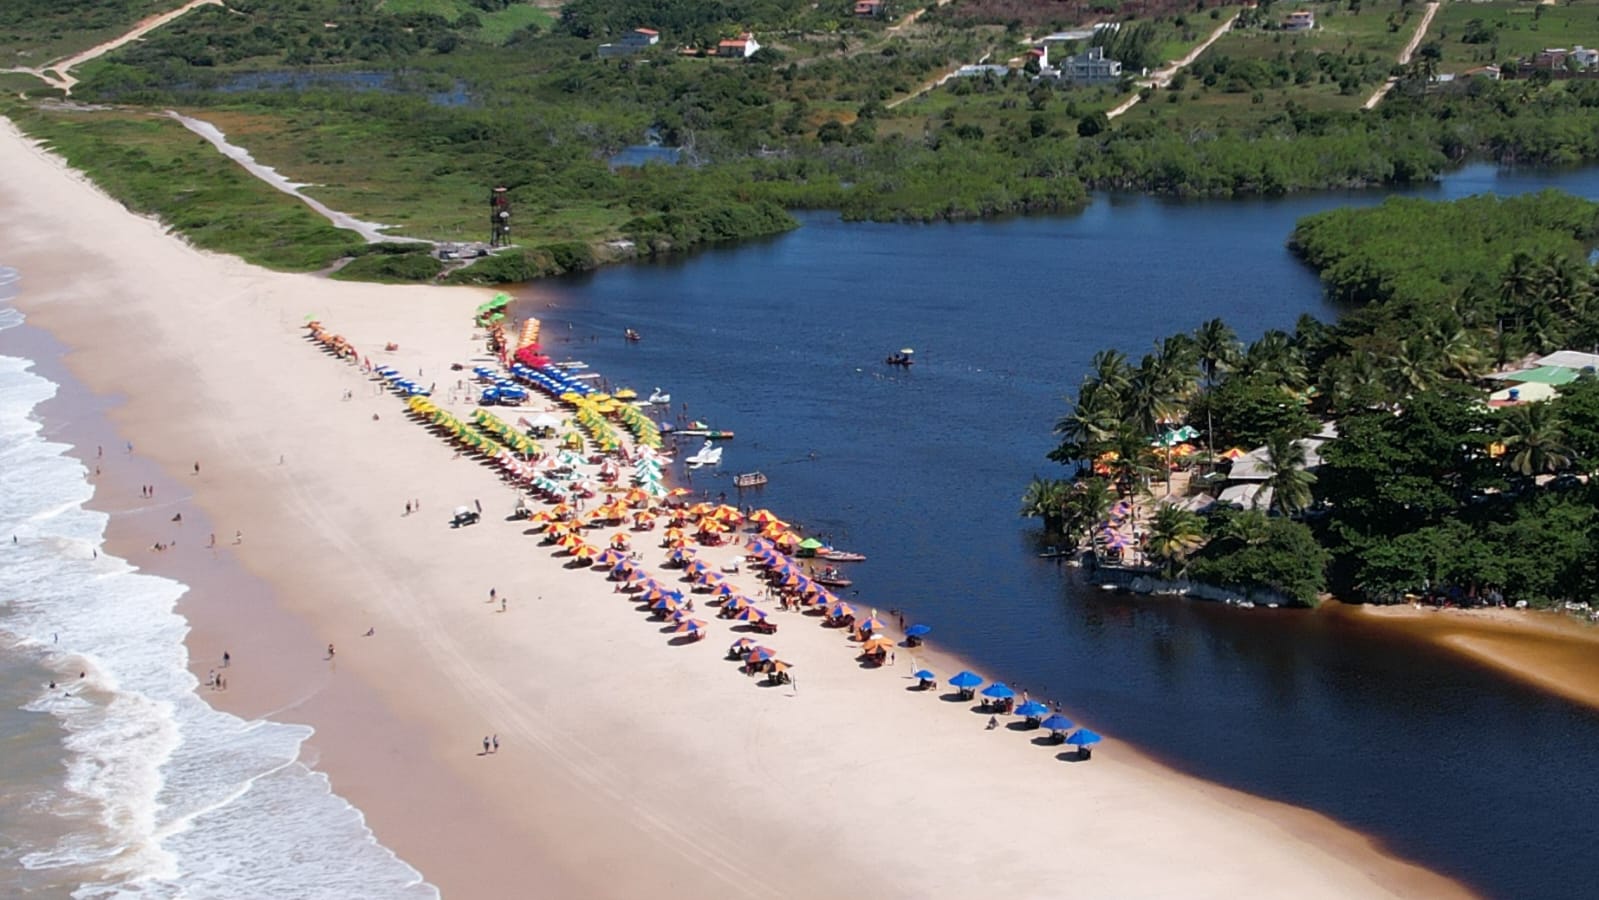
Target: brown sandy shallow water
{"points": [[1549, 650]]}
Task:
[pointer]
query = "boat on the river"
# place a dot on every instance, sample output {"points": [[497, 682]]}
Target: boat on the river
{"points": [[749, 480], [700, 429], [657, 398], [708, 455], [632, 335], [832, 555], [904, 358], [832, 578]]}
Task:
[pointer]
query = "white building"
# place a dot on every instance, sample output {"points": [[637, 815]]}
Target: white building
{"points": [[1091, 67], [631, 43], [741, 47]]}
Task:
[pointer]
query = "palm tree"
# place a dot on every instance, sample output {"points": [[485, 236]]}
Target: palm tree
{"points": [[1288, 481], [1217, 346], [1535, 440], [1149, 398], [1134, 463], [1090, 425], [1087, 504], [1110, 369], [1275, 357], [1046, 499], [1174, 534], [1249, 528]]}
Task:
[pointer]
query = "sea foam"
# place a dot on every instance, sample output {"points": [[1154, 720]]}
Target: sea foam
{"points": [[169, 797]]}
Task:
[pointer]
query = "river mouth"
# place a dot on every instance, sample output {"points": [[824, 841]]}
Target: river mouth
{"points": [[923, 469]]}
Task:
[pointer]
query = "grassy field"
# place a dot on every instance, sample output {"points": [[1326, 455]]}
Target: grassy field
{"points": [[1379, 29], [496, 26], [419, 193], [1511, 29], [33, 32], [157, 167]]}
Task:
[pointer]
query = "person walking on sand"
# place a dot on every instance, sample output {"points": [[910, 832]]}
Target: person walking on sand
{"points": [[197, 467], [238, 537], [502, 604], [213, 541], [496, 743], [485, 746], [330, 651], [227, 660]]}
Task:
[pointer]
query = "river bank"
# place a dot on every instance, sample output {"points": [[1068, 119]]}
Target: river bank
{"points": [[312, 488], [1547, 649]]}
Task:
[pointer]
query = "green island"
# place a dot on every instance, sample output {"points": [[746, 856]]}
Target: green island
{"points": [[1438, 441], [406, 112]]}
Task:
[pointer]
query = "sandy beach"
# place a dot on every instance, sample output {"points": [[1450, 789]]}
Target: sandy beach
{"points": [[629, 766]]}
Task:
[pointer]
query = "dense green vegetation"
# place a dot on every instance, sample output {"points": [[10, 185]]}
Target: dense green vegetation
{"points": [[156, 167], [1426, 489], [405, 111], [34, 32]]}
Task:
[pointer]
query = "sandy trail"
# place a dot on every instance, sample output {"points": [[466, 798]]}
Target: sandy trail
{"points": [[59, 73], [1162, 77], [371, 232], [1404, 56]]}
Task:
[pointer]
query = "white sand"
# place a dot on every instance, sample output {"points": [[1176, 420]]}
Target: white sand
{"points": [[630, 767]]}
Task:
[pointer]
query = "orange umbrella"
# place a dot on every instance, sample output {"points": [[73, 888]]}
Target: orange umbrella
{"points": [[876, 644], [765, 517], [709, 525], [678, 492], [728, 513], [619, 540], [569, 542], [737, 603]]}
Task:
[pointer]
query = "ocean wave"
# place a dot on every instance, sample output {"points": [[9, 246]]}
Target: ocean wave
{"points": [[176, 799]]}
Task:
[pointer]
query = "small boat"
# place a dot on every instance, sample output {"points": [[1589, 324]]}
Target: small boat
{"points": [[832, 555], [904, 358], [707, 433], [833, 578], [749, 479], [632, 335], [708, 455], [1054, 553], [659, 399]]}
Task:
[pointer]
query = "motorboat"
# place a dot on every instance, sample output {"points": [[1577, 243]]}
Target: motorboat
{"points": [[832, 555], [632, 335], [657, 398], [832, 578], [700, 429], [749, 480], [904, 358]]}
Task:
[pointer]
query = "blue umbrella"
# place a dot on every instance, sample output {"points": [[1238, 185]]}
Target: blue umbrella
{"points": [[1058, 722], [966, 680], [1084, 737], [999, 690], [1032, 709], [917, 630], [923, 674]]}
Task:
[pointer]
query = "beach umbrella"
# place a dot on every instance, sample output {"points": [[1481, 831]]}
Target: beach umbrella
{"points": [[1083, 738], [1058, 722], [665, 603], [750, 614], [840, 610], [1032, 709], [871, 624], [811, 544], [742, 644], [999, 690], [876, 644], [965, 679], [690, 626], [923, 674], [917, 630], [762, 654]]}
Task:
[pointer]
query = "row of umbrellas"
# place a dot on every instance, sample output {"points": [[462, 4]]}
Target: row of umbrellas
{"points": [[1032, 709]]}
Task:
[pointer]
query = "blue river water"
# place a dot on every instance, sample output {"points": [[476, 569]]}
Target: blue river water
{"points": [[782, 341]]}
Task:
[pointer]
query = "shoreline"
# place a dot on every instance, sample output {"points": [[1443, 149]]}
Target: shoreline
{"points": [[1547, 650], [626, 779]]}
